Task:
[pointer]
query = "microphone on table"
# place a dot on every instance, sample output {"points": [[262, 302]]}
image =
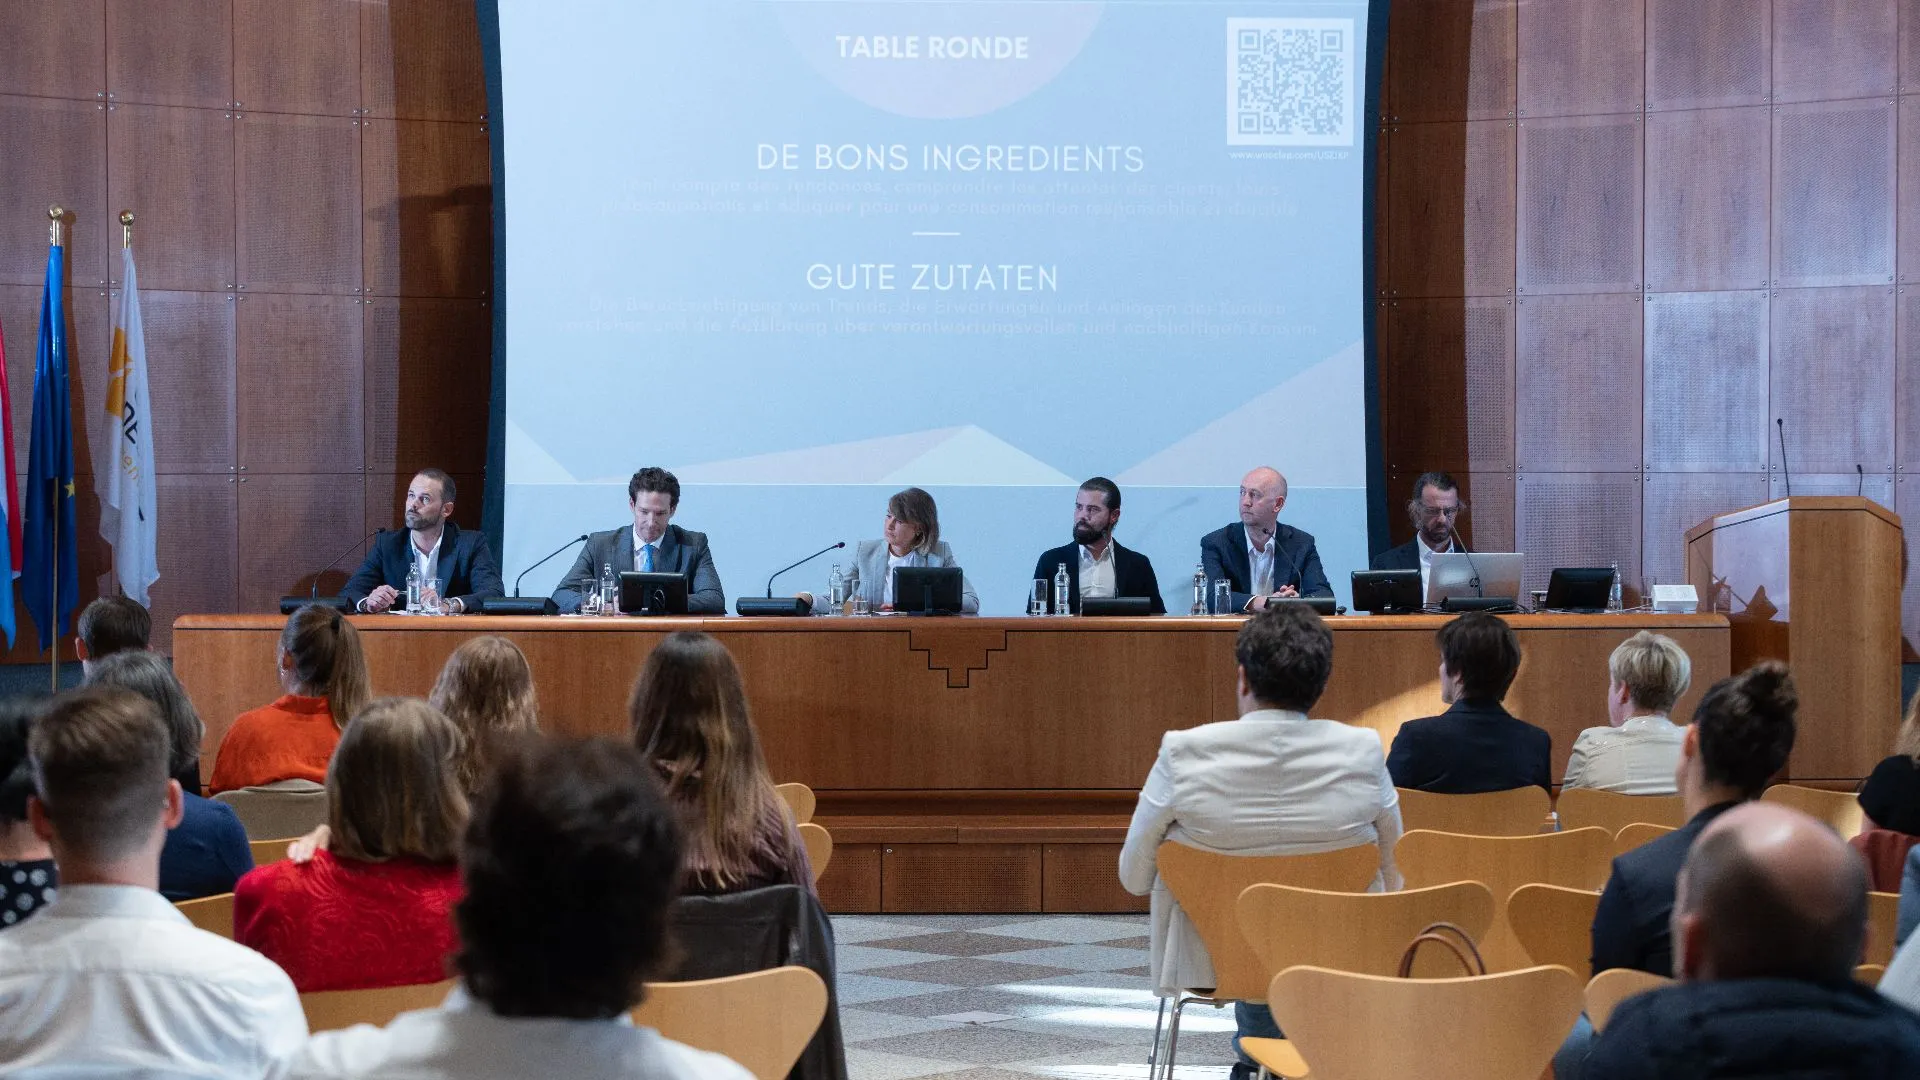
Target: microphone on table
{"points": [[1786, 476], [291, 604], [335, 561], [802, 562], [543, 559]]}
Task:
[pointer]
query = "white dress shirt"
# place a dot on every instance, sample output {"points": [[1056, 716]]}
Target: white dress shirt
{"points": [[465, 1039], [640, 551], [1426, 560], [1636, 758], [1096, 574], [113, 981], [1269, 783], [886, 582], [428, 562], [1260, 566]]}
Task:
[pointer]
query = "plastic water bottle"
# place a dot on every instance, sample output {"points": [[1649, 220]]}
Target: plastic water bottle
{"points": [[1613, 591], [1061, 583], [609, 590], [413, 587], [836, 590], [1199, 590]]}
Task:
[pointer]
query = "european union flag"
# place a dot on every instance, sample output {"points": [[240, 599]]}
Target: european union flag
{"points": [[50, 570]]}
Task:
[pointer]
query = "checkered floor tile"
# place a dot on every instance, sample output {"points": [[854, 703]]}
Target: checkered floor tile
{"points": [[1009, 997]]}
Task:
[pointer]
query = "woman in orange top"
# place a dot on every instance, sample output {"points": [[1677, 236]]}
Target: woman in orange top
{"points": [[325, 678]]}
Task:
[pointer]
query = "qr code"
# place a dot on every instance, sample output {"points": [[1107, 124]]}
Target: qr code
{"points": [[1290, 82]]}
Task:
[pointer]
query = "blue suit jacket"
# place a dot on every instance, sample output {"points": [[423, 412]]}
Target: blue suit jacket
{"points": [[1132, 574], [466, 563], [1474, 746], [1296, 562]]}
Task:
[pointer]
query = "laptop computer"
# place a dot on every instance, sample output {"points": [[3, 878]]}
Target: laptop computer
{"points": [[1477, 576]]}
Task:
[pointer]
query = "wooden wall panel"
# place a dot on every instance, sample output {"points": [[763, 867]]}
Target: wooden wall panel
{"points": [[174, 169], [293, 525], [1906, 382], [297, 181], [87, 330], [1706, 382], [851, 885], [299, 402], [429, 208], [53, 50], [1578, 519], [1580, 204], [1425, 78], [1488, 523], [1907, 212], [170, 52], [960, 877], [1084, 878], [1579, 57], [1823, 50], [1450, 209], [1708, 53], [1832, 379], [190, 375], [1707, 199], [1678, 502], [1578, 396], [297, 56], [437, 75], [1907, 505], [428, 365], [52, 151], [1909, 46], [198, 541], [1833, 193], [1442, 361]]}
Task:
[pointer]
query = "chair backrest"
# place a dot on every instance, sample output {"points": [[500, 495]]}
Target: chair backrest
{"points": [[214, 914], [1640, 832], [270, 851], [1612, 811], [1350, 1026], [1518, 812], [762, 1019], [1365, 932], [1579, 859], [1554, 925], [1883, 922], [330, 1010], [1886, 853], [282, 808], [1208, 887], [1840, 809], [819, 844], [799, 799], [1869, 974], [1608, 989]]}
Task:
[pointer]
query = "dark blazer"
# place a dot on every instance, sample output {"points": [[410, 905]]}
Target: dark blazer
{"points": [[466, 562], [1757, 1029], [681, 551], [1132, 574], [1296, 562], [1404, 557], [1630, 925], [1474, 746]]}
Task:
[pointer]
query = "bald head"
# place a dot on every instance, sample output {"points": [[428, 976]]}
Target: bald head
{"points": [[1768, 892], [1262, 492]]}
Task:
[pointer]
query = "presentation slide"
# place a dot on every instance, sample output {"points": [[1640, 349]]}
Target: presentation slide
{"points": [[805, 253]]}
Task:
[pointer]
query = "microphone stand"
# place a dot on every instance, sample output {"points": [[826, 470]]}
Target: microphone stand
{"points": [[335, 561], [802, 562], [1786, 475], [536, 566]]}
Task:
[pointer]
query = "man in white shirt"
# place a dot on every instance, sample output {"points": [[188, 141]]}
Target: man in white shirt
{"points": [[1270, 783], [112, 980], [571, 860], [1259, 556], [1637, 753], [1434, 510], [1097, 566]]}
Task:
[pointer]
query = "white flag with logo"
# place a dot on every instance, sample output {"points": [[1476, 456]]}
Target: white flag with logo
{"points": [[127, 506]]}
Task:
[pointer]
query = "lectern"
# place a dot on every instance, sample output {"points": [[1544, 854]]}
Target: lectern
{"points": [[1814, 581]]}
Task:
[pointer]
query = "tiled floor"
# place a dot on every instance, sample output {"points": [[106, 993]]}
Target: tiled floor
{"points": [[1009, 997]]}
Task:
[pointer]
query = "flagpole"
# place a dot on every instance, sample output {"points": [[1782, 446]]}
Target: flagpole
{"points": [[57, 216]]}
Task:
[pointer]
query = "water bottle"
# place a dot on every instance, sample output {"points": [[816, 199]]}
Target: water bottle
{"points": [[1199, 590], [609, 590], [1613, 591], [413, 587], [836, 590], [1061, 583]]}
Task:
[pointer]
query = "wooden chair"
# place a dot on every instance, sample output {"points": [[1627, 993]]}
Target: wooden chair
{"points": [[1608, 989], [1576, 860], [330, 1010], [799, 799], [1350, 1026], [1519, 812], [762, 1019], [1207, 887], [1612, 811], [1364, 932], [269, 851], [1554, 925], [1632, 836], [1840, 809], [214, 914], [819, 844], [282, 808], [1883, 921], [1869, 974]]}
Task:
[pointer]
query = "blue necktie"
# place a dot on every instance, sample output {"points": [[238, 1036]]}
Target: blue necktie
{"points": [[646, 559]]}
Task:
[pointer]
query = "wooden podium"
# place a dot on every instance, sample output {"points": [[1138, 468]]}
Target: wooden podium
{"points": [[1814, 581]]}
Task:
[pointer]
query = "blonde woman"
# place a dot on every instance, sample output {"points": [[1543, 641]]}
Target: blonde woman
{"points": [[909, 536], [486, 689]]}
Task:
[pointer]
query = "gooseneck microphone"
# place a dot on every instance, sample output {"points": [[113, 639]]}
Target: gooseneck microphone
{"points": [[1860, 489], [549, 555], [1786, 475], [335, 561], [1474, 580], [802, 562]]}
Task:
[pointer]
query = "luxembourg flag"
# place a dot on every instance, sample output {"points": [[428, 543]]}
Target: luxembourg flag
{"points": [[127, 518], [9, 503]]}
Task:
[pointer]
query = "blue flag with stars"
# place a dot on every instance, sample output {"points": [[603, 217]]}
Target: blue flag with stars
{"points": [[50, 569]]}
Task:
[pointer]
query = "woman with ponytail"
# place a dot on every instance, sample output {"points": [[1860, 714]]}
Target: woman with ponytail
{"points": [[324, 675]]}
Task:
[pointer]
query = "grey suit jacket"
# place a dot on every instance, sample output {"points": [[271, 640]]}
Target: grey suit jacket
{"points": [[870, 573], [681, 551]]}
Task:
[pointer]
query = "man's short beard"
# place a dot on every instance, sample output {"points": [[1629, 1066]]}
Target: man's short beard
{"points": [[1087, 534]]}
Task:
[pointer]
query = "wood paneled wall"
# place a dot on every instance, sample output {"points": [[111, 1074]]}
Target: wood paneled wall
{"points": [[1617, 238], [313, 186]]}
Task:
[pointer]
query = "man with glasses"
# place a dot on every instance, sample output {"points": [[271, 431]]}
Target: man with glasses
{"points": [[1434, 508]]}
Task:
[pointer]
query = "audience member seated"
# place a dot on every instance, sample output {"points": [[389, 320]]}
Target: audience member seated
{"points": [[111, 980], [27, 876], [207, 852], [570, 863], [689, 717], [1902, 979], [1770, 915], [1909, 916], [1891, 795], [1272, 782], [375, 909], [109, 625], [1476, 745], [1636, 754], [324, 675], [1741, 734], [486, 689]]}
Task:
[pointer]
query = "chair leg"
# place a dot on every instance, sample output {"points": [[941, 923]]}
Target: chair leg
{"points": [[1153, 1052], [1173, 1033]]}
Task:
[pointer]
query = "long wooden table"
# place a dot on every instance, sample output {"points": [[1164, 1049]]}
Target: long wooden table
{"points": [[992, 734]]}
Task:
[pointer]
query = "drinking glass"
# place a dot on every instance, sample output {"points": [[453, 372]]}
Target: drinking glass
{"points": [[590, 601], [861, 606], [1222, 596], [1037, 601]]}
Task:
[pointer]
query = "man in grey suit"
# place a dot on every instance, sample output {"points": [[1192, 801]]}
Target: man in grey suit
{"points": [[651, 543]]}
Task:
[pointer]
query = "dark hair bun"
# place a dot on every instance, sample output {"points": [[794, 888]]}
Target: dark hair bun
{"points": [[1767, 688]]}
